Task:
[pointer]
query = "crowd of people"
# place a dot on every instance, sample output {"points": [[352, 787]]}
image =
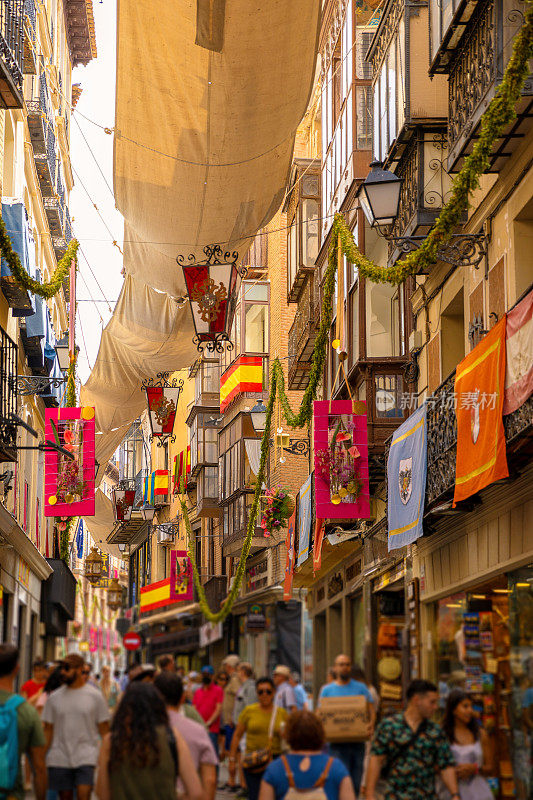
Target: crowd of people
{"points": [[157, 733]]}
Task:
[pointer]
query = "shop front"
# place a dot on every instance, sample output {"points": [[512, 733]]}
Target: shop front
{"points": [[22, 570], [476, 592]]}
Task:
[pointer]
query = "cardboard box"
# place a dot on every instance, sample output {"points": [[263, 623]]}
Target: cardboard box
{"points": [[345, 719]]}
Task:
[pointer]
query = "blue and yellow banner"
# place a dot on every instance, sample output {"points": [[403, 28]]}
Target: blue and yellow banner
{"points": [[406, 480]]}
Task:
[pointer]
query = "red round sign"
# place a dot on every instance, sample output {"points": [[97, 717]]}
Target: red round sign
{"points": [[131, 641]]}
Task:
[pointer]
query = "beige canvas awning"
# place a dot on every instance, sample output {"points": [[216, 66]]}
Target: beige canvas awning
{"points": [[209, 96], [101, 524]]}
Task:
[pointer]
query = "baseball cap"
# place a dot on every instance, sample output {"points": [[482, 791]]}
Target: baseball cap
{"points": [[281, 669], [139, 672], [208, 670]]}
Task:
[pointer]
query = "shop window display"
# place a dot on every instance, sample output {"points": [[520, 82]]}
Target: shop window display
{"points": [[390, 627], [485, 647]]}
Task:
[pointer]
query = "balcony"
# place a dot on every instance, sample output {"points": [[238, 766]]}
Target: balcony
{"points": [[207, 493], [302, 334], [8, 398], [30, 38], [11, 53], [215, 591], [421, 164], [303, 211], [442, 441], [43, 138], [475, 70], [206, 374], [80, 31], [235, 514], [55, 213]]}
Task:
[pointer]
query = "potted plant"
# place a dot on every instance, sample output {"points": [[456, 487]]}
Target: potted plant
{"points": [[278, 506]]}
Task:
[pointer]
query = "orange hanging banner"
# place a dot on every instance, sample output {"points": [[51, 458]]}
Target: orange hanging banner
{"points": [[317, 545], [479, 393], [289, 563]]}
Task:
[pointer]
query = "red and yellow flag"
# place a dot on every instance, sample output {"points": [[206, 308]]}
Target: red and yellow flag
{"points": [[244, 375], [479, 391]]}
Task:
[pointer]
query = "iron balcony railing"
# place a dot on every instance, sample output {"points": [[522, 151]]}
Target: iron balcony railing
{"points": [[8, 398], [11, 51], [302, 335], [30, 37]]}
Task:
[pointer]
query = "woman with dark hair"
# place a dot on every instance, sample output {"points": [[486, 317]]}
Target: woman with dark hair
{"points": [[142, 756], [306, 767], [263, 725], [470, 747]]}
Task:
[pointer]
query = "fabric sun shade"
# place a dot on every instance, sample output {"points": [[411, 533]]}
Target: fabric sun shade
{"points": [[406, 480], [519, 352], [203, 146], [202, 152], [479, 388], [244, 375], [101, 523]]}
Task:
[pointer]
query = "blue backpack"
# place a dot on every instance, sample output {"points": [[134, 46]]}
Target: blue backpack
{"points": [[9, 743]]}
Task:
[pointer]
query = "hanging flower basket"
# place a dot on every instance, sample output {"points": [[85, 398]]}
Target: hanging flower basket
{"points": [[339, 464], [277, 507], [117, 650], [76, 628]]}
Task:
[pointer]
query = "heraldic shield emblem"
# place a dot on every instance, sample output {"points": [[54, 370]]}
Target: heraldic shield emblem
{"points": [[405, 479]]}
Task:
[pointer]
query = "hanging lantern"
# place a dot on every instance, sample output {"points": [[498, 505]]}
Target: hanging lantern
{"points": [[94, 565], [213, 288], [162, 397], [123, 500], [114, 594]]}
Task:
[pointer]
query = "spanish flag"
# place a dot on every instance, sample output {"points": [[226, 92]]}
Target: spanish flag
{"points": [[155, 485], [244, 375], [479, 392]]}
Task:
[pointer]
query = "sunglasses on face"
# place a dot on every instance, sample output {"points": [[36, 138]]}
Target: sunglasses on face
{"points": [[85, 672], [264, 691]]}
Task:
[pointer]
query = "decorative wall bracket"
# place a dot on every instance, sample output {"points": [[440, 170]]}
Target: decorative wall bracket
{"points": [[36, 384], [463, 249], [296, 447]]}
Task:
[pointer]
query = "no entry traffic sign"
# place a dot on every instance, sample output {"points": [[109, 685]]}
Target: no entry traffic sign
{"points": [[132, 641]]}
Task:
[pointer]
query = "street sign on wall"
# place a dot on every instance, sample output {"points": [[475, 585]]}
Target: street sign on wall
{"points": [[132, 641]]}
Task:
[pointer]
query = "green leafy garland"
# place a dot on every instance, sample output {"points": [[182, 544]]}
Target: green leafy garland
{"points": [[499, 114], [46, 290]]}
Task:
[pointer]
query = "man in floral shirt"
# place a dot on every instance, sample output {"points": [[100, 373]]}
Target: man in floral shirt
{"points": [[408, 750]]}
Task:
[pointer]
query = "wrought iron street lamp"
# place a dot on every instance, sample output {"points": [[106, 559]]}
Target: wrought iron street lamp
{"points": [[63, 353], [94, 566], [258, 415], [380, 195], [114, 594], [296, 447], [147, 512], [162, 396], [213, 288], [380, 198]]}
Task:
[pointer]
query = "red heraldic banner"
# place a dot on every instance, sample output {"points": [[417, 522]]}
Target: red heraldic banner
{"points": [[479, 391], [176, 589], [289, 564], [341, 459], [162, 406], [69, 480]]}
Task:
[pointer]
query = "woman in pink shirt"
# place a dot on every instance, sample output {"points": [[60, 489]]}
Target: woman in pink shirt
{"points": [[207, 701]]}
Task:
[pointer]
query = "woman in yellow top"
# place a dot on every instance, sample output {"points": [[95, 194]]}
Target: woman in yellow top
{"points": [[263, 724]]}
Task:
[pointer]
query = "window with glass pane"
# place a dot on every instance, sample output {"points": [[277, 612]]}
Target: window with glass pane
{"points": [[388, 393], [293, 252], [354, 315], [310, 213], [194, 442], [256, 328], [210, 372], [382, 323], [257, 292], [209, 482]]}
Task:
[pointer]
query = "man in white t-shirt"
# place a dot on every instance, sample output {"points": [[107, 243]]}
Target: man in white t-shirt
{"points": [[74, 717]]}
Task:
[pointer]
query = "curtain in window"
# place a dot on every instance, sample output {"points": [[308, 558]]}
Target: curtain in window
{"points": [[253, 451]]}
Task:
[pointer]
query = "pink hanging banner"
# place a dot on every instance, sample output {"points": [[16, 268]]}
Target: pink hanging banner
{"points": [[69, 488], [341, 459], [181, 580]]}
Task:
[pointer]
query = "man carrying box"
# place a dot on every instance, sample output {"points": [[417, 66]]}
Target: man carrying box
{"points": [[347, 711]]}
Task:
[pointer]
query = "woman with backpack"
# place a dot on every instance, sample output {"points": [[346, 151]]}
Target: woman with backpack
{"points": [[262, 723], [142, 756], [306, 772]]}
